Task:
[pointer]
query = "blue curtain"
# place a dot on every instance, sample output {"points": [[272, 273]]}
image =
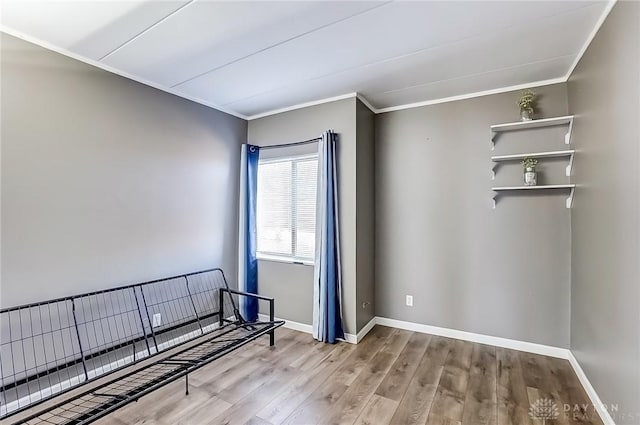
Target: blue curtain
{"points": [[247, 240], [327, 291]]}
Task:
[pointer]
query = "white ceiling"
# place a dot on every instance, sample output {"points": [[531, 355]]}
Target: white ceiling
{"points": [[251, 57]]}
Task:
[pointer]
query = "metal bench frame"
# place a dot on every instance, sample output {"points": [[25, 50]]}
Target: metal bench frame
{"points": [[205, 333]]}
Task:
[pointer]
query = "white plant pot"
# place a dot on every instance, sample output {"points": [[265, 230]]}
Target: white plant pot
{"points": [[530, 176]]}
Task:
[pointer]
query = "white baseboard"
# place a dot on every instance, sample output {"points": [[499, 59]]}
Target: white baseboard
{"points": [[435, 330], [366, 329], [512, 344], [591, 392], [303, 327], [290, 324], [350, 338]]}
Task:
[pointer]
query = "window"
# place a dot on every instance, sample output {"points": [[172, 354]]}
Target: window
{"points": [[286, 210]]}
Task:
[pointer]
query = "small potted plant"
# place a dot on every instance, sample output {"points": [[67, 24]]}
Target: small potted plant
{"points": [[530, 174], [527, 104]]}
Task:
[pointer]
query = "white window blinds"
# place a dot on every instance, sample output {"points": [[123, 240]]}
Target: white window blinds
{"points": [[286, 210]]}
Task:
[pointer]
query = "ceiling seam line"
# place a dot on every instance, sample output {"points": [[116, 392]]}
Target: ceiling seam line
{"points": [[280, 43], [404, 88], [472, 95], [190, 2], [404, 55], [460, 40], [479, 74]]}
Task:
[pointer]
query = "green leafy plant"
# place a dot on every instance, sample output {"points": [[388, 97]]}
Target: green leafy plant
{"points": [[529, 162], [527, 101]]}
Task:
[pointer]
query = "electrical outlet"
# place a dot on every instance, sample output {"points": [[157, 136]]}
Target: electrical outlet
{"points": [[157, 320], [409, 301]]}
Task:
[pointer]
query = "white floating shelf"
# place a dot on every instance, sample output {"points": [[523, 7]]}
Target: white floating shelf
{"points": [[549, 154], [538, 187], [523, 125], [571, 187]]}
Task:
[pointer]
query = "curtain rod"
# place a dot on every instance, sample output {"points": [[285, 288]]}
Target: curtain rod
{"points": [[284, 145]]}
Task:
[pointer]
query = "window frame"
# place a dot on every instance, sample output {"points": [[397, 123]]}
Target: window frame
{"points": [[279, 257]]}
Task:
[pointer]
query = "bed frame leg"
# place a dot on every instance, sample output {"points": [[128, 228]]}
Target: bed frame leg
{"points": [[272, 333], [221, 306], [186, 384]]}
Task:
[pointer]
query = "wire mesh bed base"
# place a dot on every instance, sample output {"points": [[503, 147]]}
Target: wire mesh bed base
{"points": [[109, 348], [105, 398]]}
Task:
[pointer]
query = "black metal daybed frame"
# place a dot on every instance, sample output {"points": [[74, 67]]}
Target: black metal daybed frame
{"points": [[97, 352]]}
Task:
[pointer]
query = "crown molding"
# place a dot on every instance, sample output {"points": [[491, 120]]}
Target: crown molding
{"points": [[472, 95], [366, 103], [375, 110], [302, 105], [104, 67], [590, 38]]}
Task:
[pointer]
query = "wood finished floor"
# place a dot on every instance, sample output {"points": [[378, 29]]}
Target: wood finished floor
{"points": [[392, 377]]}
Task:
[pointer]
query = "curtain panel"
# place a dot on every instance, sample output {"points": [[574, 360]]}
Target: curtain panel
{"points": [[247, 238], [327, 294]]}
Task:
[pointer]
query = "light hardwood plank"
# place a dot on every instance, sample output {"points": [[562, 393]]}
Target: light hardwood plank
{"points": [[450, 395], [441, 420], [378, 410], [394, 385], [577, 407], [247, 407], [513, 401], [265, 370], [109, 420], [363, 354], [291, 397], [313, 356], [257, 421], [535, 395], [535, 371], [201, 414], [415, 405], [480, 404], [353, 401], [316, 406]]}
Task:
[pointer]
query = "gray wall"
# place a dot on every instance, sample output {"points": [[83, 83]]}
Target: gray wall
{"points": [[604, 93], [502, 272], [365, 218], [106, 181], [292, 285]]}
